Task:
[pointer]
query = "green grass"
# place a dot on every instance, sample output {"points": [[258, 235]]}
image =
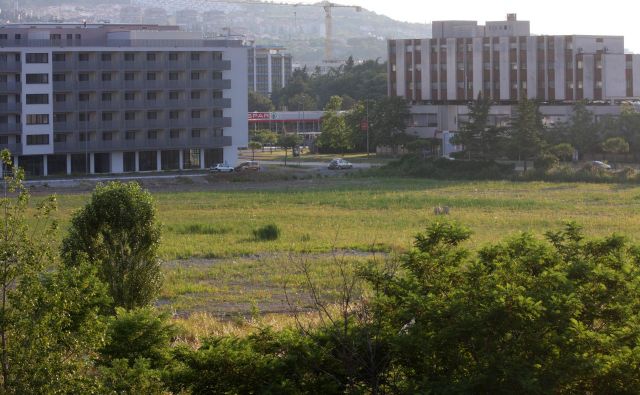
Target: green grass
{"points": [[375, 214], [317, 216]]}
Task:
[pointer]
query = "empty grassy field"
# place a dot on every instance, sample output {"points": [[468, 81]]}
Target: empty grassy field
{"points": [[213, 264]]}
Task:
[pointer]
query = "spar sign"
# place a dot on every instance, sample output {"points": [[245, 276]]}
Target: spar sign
{"points": [[262, 116]]}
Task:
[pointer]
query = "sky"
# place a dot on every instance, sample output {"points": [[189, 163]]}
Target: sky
{"points": [[609, 17]]}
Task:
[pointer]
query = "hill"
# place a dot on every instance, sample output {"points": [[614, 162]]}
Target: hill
{"points": [[300, 28]]}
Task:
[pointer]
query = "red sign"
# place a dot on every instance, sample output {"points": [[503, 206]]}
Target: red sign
{"points": [[256, 116], [364, 126]]}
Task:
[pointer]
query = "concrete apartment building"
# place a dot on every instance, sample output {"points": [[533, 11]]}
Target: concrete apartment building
{"points": [[503, 61], [103, 98], [269, 69]]}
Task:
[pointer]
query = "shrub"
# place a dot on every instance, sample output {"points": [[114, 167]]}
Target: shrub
{"points": [[267, 232], [545, 162]]}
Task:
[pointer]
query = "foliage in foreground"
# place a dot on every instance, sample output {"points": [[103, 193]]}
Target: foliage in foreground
{"points": [[525, 315]]}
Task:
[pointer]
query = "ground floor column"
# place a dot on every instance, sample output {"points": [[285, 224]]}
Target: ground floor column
{"points": [[181, 159], [92, 163], [202, 158], [137, 161], [68, 164], [45, 166], [159, 160], [117, 162]]}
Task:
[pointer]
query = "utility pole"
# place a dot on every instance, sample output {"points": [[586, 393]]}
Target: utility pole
{"points": [[367, 112]]}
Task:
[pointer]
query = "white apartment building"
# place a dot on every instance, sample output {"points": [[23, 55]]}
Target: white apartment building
{"points": [[107, 98]]}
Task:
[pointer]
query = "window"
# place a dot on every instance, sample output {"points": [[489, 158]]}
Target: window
{"points": [[38, 98], [129, 57], [173, 75], [106, 76], [61, 97], [151, 76], [17, 36], [152, 134], [59, 117], [129, 76], [83, 96], [174, 133], [84, 137], [69, 36], [151, 57], [4, 98], [195, 113], [173, 56], [38, 78], [129, 115], [217, 113], [37, 119], [59, 77], [105, 57], [217, 55], [128, 96], [54, 36], [4, 36], [83, 77], [107, 96], [217, 94], [195, 95], [130, 135], [37, 58], [152, 115], [59, 138], [59, 57], [195, 75], [195, 133], [174, 114], [83, 116], [83, 57], [107, 136], [107, 116], [195, 56], [217, 75], [37, 139], [152, 95]]}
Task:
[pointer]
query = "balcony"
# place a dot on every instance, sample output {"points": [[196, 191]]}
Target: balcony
{"points": [[15, 149], [10, 86], [221, 103], [64, 86], [221, 65], [10, 107], [10, 128], [142, 144], [220, 84]]}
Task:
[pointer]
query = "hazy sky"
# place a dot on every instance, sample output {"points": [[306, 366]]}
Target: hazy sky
{"points": [[609, 17]]}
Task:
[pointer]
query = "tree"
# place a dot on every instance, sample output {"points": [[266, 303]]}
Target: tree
{"points": [[564, 151], [526, 130], [117, 231], [253, 146], [523, 315], [50, 315], [479, 139], [582, 131], [388, 121], [301, 102], [260, 103], [288, 141], [335, 135], [615, 145]]}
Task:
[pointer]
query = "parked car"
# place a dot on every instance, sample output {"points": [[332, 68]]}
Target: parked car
{"points": [[248, 165], [339, 164], [601, 165], [222, 168]]}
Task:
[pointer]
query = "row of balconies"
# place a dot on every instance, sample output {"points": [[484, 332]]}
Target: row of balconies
{"points": [[10, 128], [15, 149], [116, 104], [72, 126], [115, 85], [164, 142], [10, 86], [10, 107], [146, 65]]}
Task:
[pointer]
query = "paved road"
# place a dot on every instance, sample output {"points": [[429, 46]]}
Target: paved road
{"points": [[320, 165]]}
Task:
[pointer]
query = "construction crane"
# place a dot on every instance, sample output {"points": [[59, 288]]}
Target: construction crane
{"points": [[328, 21], [328, 25]]}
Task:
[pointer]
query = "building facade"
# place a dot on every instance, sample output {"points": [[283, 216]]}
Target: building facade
{"points": [[504, 62], [307, 124], [269, 69], [103, 98]]}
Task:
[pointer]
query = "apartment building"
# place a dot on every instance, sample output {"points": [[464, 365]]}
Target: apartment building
{"points": [[269, 69], [501, 60], [106, 98]]}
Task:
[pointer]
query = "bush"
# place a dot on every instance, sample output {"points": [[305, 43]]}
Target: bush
{"points": [[267, 232], [545, 162], [443, 169]]}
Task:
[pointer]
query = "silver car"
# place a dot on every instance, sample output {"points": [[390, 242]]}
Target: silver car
{"points": [[339, 164]]}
